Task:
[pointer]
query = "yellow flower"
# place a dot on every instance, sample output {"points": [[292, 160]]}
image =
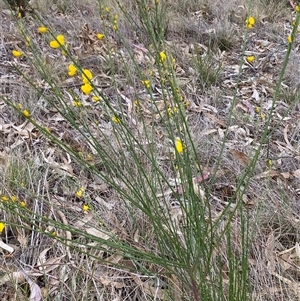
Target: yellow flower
{"points": [[42, 29], [4, 198], [80, 192], [60, 40], [85, 208], [107, 9], [16, 53], [2, 226], [77, 103], [178, 145], [115, 27], [96, 98], [86, 76], [250, 58], [27, 41], [297, 9], [290, 39], [172, 111], [250, 22], [26, 113], [100, 36], [22, 204], [86, 89], [13, 198], [270, 163], [72, 70], [54, 44], [146, 83], [162, 56], [116, 119], [257, 110]]}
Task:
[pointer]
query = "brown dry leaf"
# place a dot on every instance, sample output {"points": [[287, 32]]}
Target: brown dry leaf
{"points": [[270, 252], [6, 247], [154, 291], [50, 264], [17, 277], [24, 129], [35, 291], [60, 168], [130, 108], [115, 284], [285, 260], [196, 181], [98, 233], [22, 239], [114, 258], [240, 156], [136, 235], [82, 222], [297, 249], [42, 257], [285, 135]]}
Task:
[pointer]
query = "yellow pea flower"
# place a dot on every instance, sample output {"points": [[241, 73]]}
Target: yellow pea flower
{"points": [[80, 192], [77, 103], [162, 56], [178, 145], [27, 41], [86, 76], [85, 208], [26, 113], [72, 70], [60, 40], [146, 83], [100, 36], [2, 226], [116, 119], [42, 29], [96, 98], [54, 44], [4, 198], [290, 39], [22, 204], [16, 53], [250, 58], [250, 22], [86, 89]]}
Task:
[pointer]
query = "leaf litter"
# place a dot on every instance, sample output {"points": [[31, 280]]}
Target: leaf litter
{"points": [[255, 91]]}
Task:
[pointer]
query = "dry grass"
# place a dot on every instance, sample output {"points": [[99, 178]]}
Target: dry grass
{"points": [[46, 235]]}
